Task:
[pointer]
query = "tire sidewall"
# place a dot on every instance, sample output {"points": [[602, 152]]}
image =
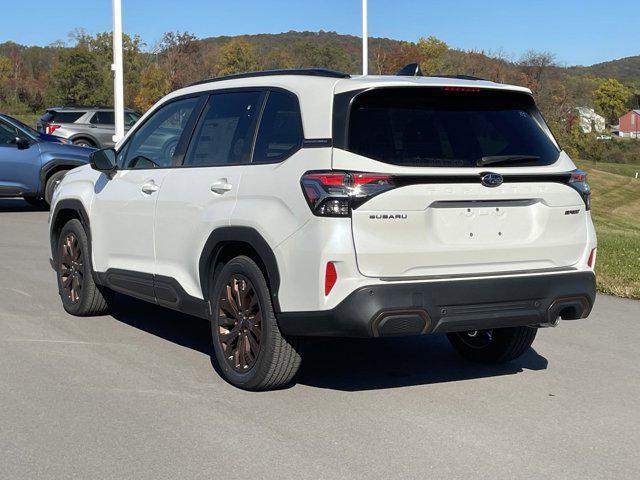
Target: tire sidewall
{"points": [[51, 185], [74, 226], [247, 267]]}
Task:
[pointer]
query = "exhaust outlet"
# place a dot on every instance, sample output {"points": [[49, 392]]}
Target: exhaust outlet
{"points": [[568, 308], [550, 324]]}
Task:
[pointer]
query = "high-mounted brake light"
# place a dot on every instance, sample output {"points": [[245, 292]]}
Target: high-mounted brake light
{"points": [[578, 181], [335, 194], [461, 89]]}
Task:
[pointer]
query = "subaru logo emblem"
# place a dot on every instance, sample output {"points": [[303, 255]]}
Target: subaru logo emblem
{"points": [[491, 179]]}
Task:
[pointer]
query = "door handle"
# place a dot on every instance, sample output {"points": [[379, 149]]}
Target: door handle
{"points": [[150, 188], [221, 186]]}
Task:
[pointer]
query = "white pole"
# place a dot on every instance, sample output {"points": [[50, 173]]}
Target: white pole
{"points": [[365, 40], [117, 67]]}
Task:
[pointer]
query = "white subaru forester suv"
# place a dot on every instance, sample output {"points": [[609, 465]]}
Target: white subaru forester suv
{"points": [[286, 204]]}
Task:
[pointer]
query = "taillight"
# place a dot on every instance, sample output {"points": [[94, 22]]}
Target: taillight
{"points": [[330, 278], [335, 194], [578, 181], [49, 128], [592, 259]]}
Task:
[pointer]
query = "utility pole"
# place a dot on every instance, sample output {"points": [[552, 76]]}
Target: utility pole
{"points": [[118, 71], [365, 40]]}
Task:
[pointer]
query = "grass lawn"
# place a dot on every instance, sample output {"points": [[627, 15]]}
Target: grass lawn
{"points": [[616, 214]]}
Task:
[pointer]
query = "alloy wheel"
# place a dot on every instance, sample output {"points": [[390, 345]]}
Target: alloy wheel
{"points": [[71, 268], [239, 323]]}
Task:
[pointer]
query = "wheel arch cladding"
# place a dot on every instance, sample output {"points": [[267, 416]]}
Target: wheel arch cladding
{"points": [[227, 242], [67, 210], [54, 166]]}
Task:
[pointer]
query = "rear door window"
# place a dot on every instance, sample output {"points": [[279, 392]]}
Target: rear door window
{"points": [[103, 118], [224, 135], [434, 127]]}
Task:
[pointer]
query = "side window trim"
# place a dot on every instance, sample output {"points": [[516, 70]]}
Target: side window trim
{"points": [[207, 96], [302, 138], [198, 109]]}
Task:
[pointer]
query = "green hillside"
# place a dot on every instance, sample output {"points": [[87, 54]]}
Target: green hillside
{"points": [[616, 214]]}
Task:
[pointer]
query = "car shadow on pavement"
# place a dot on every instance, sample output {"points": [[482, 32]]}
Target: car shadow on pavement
{"points": [[339, 364], [372, 364], [10, 205], [184, 330]]}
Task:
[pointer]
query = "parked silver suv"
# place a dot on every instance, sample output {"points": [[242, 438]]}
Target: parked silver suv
{"points": [[84, 126]]}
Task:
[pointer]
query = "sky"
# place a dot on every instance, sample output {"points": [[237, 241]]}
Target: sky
{"points": [[578, 32]]}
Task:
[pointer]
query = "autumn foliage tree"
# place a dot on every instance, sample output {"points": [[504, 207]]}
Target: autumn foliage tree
{"points": [[237, 56], [154, 84], [612, 99]]}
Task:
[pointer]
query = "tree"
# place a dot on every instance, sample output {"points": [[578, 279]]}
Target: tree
{"points": [[277, 59], [74, 79], [6, 69], [154, 84], [321, 55], [237, 56], [536, 65], [180, 54], [612, 99], [433, 51]]}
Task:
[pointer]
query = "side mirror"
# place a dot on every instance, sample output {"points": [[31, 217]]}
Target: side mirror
{"points": [[104, 161], [22, 143]]}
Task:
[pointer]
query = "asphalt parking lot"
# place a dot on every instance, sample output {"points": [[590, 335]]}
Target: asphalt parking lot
{"points": [[135, 395]]}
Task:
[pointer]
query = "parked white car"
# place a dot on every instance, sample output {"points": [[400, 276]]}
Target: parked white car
{"points": [[312, 203]]}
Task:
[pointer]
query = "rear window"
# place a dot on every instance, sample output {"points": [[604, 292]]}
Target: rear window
{"points": [[61, 117], [434, 127]]}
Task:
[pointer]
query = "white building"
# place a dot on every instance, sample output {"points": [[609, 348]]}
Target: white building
{"points": [[590, 121]]}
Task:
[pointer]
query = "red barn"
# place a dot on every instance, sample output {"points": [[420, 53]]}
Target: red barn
{"points": [[630, 124]]}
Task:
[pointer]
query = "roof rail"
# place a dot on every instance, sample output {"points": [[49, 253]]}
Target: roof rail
{"points": [[312, 72], [86, 107]]}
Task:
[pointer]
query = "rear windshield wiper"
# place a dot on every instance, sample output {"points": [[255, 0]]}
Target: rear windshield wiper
{"points": [[504, 158]]}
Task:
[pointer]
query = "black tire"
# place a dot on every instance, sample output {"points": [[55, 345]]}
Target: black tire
{"points": [[277, 359], [83, 142], [89, 299], [52, 183], [499, 345]]}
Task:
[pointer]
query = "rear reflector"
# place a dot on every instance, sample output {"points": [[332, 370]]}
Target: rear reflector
{"points": [[592, 258], [330, 278]]}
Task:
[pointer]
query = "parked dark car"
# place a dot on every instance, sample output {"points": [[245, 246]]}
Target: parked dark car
{"points": [[32, 163], [45, 137]]}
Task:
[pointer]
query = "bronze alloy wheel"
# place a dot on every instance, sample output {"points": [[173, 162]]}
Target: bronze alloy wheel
{"points": [[71, 268], [239, 323]]}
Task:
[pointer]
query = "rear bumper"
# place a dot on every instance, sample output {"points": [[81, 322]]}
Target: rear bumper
{"points": [[449, 306]]}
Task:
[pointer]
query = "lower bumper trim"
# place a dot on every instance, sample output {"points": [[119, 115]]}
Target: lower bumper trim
{"points": [[449, 306]]}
